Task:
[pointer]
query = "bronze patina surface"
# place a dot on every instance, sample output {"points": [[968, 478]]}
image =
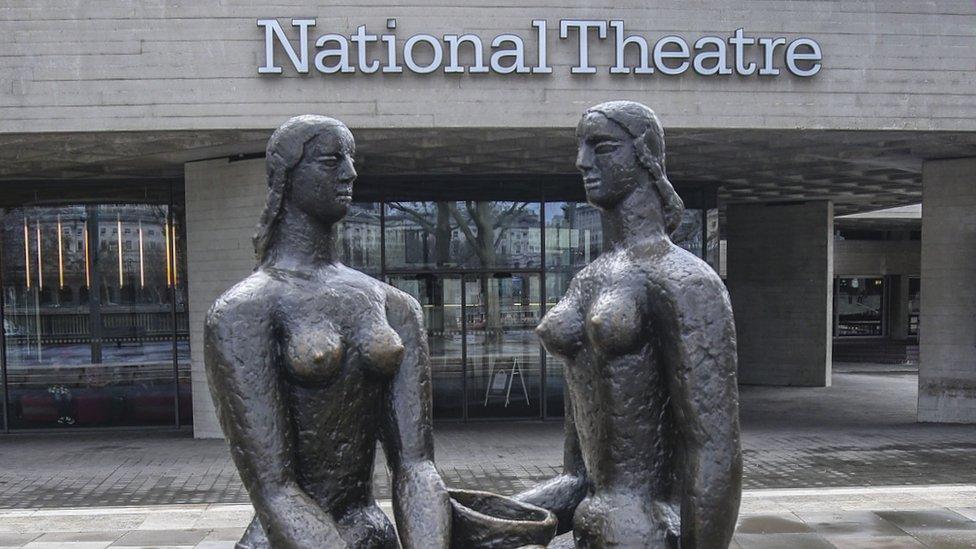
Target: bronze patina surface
{"points": [[652, 451], [311, 362]]}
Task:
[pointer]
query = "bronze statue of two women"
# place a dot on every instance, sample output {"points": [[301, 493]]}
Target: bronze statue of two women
{"points": [[311, 363]]}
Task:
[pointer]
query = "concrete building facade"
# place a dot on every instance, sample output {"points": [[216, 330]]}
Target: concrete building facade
{"points": [[781, 119]]}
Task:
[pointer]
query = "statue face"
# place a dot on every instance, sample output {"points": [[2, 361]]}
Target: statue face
{"points": [[607, 161], [321, 183]]}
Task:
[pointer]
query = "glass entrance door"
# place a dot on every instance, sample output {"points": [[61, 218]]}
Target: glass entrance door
{"points": [[502, 350], [440, 298]]}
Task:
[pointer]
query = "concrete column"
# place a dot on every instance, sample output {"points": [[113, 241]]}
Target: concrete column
{"points": [[780, 276], [947, 326], [223, 202]]}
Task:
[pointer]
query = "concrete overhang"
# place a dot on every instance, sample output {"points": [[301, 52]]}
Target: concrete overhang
{"points": [[859, 170]]}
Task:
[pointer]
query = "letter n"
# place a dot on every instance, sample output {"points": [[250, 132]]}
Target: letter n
{"points": [[272, 30]]}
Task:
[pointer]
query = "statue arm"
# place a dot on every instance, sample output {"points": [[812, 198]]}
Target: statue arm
{"points": [[245, 385], [562, 494], [420, 500], [698, 338]]}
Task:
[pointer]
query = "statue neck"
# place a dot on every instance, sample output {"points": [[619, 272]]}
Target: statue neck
{"points": [[301, 241], [638, 218]]}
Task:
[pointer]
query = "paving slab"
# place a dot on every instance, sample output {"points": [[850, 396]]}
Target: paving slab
{"points": [[845, 466], [807, 519], [859, 432]]}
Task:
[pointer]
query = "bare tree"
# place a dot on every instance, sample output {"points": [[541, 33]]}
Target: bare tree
{"points": [[483, 225]]}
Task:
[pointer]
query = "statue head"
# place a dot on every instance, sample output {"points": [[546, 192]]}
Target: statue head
{"points": [[310, 169], [621, 147]]}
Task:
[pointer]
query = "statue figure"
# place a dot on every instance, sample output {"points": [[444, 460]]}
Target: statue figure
{"points": [[311, 362], [652, 453]]}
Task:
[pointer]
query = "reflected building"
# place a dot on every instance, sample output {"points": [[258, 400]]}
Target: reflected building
{"points": [[95, 315]]}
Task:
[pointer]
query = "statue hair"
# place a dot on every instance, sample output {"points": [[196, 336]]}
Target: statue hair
{"points": [[285, 150], [640, 122]]}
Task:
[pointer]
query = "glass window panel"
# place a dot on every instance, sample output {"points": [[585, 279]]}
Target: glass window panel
{"points": [[503, 353], [574, 235], [419, 235], [358, 238], [689, 234], [180, 312], [860, 306], [89, 311], [440, 299], [469, 234], [712, 251], [46, 314], [914, 304]]}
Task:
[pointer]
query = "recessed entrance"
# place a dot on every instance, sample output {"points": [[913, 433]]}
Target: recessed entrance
{"points": [[485, 270]]}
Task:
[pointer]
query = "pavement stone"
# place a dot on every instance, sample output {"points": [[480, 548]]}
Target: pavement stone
{"points": [[802, 518], [845, 466], [859, 432]]}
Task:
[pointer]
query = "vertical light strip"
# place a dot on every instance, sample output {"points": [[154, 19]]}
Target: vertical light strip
{"points": [[142, 269], [176, 273], [40, 268], [169, 274], [27, 259], [87, 261], [60, 256], [118, 227]]}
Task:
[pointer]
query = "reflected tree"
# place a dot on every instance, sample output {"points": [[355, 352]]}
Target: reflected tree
{"points": [[483, 226]]}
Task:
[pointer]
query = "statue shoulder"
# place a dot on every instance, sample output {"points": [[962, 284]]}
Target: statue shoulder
{"points": [[401, 301], [686, 272], [251, 299], [684, 283]]}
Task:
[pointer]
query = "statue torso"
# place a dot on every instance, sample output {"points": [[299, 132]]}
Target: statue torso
{"points": [[337, 355], [605, 331]]}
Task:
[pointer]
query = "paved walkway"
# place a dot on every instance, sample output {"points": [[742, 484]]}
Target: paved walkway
{"points": [[842, 447], [938, 517], [859, 432]]}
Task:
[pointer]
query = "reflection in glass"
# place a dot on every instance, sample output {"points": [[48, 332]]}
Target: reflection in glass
{"points": [[440, 299], [89, 316], [359, 238], [712, 239], [469, 234], [503, 353], [914, 304], [574, 234], [860, 306], [688, 235], [95, 300], [556, 285]]}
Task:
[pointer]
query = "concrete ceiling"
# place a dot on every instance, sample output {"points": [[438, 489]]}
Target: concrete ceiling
{"points": [[859, 170]]}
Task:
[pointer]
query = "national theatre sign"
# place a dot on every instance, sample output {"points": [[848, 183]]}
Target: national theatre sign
{"points": [[737, 54]]}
